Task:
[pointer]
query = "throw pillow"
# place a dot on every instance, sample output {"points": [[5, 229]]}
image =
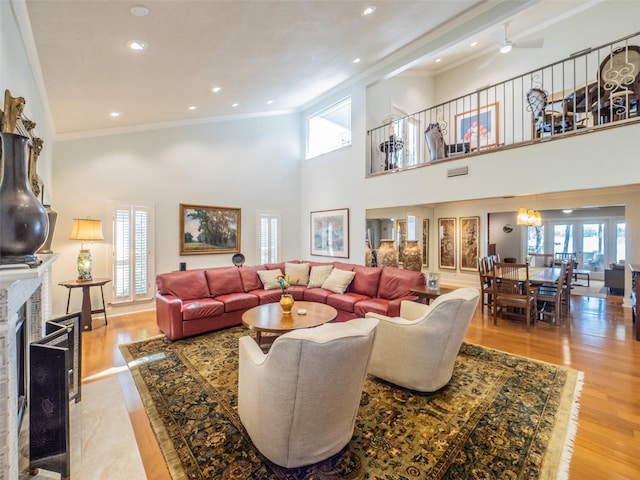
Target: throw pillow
{"points": [[269, 278], [338, 280], [298, 272], [318, 275]]}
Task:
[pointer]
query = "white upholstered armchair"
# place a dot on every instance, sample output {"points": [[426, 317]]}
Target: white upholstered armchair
{"points": [[299, 402], [418, 349]]}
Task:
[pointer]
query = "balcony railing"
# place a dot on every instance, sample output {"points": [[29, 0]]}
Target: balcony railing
{"points": [[594, 88]]}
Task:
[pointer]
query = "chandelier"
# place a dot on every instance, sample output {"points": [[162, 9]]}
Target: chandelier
{"points": [[530, 218]]}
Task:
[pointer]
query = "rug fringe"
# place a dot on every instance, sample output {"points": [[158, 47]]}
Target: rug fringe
{"points": [[572, 429]]}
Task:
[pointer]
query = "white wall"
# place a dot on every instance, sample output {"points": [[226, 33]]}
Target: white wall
{"points": [[243, 164], [20, 76]]}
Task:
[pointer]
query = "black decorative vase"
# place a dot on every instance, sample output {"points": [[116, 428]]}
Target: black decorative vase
{"points": [[23, 220]]}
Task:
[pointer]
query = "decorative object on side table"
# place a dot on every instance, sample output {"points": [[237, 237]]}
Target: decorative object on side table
{"points": [[238, 259], [412, 256], [387, 255], [85, 229], [23, 220]]}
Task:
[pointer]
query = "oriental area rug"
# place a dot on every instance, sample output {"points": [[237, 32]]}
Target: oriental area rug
{"points": [[500, 417]]}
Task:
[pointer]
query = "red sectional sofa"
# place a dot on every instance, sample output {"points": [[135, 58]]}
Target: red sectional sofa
{"points": [[197, 301]]}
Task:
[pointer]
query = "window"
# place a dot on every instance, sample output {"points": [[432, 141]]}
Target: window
{"points": [[621, 228], [132, 252], [268, 237], [535, 239], [329, 129]]}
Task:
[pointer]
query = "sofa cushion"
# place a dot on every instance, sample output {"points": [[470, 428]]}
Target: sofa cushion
{"points": [[318, 275], [224, 280], [188, 285], [299, 273], [201, 308], [366, 280], [338, 280], [250, 278], [266, 296], [377, 305], [269, 278], [396, 282], [316, 295], [238, 301], [345, 301]]}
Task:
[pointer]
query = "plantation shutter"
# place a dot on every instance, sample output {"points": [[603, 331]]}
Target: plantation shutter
{"points": [[268, 237], [132, 254]]}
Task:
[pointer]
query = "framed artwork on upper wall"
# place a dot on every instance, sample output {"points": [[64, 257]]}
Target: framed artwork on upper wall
{"points": [[206, 230], [330, 233], [425, 243], [469, 230], [447, 241], [478, 127]]}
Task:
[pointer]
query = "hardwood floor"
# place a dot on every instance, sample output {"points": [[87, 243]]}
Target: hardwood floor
{"points": [[596, 339]]}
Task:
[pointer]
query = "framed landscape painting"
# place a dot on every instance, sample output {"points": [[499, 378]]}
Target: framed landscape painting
{"points": [[469, 229], [447, 238], [330, 233], [478, 127], [205, 230]]}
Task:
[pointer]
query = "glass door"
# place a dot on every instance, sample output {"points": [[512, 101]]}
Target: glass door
{"points": [[591, 255]]}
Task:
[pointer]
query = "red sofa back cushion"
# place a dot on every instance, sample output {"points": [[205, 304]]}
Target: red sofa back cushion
{"points": [[250, 278], [396, 282], [187, 285], [366, 280], [224, 280]]}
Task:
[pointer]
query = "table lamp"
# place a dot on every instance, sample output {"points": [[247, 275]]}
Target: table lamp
{"points": [[85, 229]]}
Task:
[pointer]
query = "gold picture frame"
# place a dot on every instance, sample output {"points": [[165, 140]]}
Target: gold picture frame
{"points": [[447, 240], [469, 231], [206, 230]]}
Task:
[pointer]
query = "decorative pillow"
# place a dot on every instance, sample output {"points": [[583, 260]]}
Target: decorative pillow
{"points": [[269, 278], [297, 271], [338, 280], [318, 275]]}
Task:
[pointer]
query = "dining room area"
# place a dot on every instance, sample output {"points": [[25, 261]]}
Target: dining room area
{"points": [[530, 292]]}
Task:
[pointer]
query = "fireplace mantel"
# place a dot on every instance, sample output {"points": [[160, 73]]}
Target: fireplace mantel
{"points": [[19, 286]]}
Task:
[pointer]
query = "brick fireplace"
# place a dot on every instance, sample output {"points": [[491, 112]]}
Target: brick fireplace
{"points": [[30, 288]]}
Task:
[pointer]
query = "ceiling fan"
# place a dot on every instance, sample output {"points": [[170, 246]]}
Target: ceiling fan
{"points": [[506, 45]]}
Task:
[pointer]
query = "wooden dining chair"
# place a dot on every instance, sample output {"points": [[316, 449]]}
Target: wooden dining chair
{"points": [[486, 283], [566, 287], [541, 260], [514, 296], [549, 298]]}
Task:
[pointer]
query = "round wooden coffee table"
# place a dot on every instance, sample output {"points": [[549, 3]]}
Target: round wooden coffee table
{"points": [[268, 318]]}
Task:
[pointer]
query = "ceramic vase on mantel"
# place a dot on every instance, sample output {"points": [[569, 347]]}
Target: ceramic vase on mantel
{"points": [[23, 220], [413, 256], [286, 303], [387, 255]]}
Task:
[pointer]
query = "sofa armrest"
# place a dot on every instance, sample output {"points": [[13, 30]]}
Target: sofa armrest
{"points": [[385, 318], [169, 316], [412, 310]]}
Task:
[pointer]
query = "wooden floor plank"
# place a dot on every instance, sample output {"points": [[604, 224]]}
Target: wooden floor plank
{"points": [[596, 338]]}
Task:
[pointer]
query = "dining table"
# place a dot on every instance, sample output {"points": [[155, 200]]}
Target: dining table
{"points": [[540, 275]]}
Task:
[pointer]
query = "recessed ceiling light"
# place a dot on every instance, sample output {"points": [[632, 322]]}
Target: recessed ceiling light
{"points": [[235, 104], [137, 45], [473, 44], [356, 60], [368, 10], [568, 210], [216, 89], [139, 10], [269, 102], [438, 60], [192, 107], [115, 114]]}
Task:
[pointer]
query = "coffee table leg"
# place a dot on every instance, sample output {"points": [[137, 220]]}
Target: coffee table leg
{"points": [[259, 338]]}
